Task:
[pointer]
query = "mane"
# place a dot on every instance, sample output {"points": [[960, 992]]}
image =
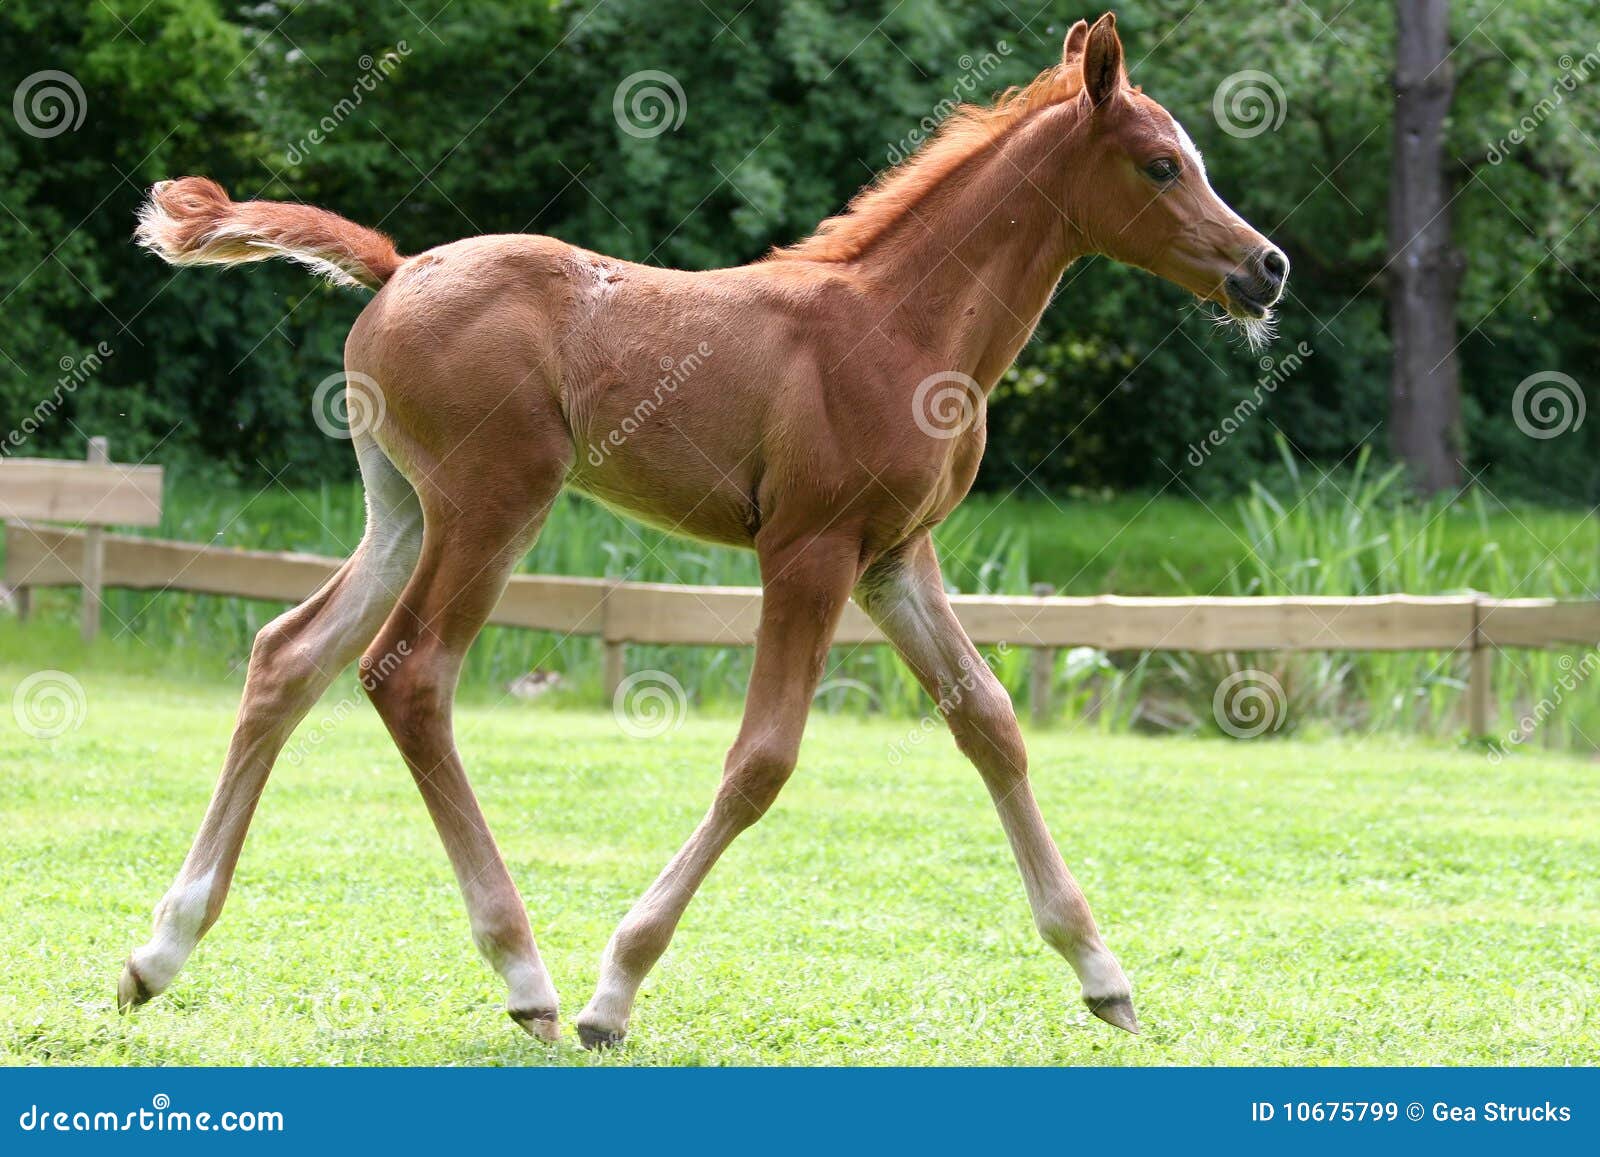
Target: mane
{"points": [[968, 131]]}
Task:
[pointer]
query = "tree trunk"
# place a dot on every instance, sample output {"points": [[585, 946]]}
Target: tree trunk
{"points": [[1424, 266]]}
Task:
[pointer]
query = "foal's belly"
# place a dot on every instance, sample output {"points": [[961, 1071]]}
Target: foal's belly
{"points": [[693, 506], [682, 456]]}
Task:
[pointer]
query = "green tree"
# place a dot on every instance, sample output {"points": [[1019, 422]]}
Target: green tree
{"points": [[499, 115]]}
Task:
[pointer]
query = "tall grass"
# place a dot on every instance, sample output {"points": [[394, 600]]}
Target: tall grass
{"points": [[1358, 535], [1317, 535]]}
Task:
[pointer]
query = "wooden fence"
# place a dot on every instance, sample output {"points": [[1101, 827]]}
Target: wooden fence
{"points": [[621, 613], [95, 491]]}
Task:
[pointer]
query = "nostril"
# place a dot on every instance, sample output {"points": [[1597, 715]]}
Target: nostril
{"points": [[1275, 263]]}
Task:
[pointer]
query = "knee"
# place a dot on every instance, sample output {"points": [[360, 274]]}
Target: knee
{"points": [[984, 724], [409, 687], [752, 778]]}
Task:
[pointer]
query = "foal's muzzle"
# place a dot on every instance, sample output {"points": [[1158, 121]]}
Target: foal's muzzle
{"points": [[1258, 283]]}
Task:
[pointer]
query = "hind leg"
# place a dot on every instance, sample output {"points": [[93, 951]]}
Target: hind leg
{"points": [[468, 554], [294, 659]]}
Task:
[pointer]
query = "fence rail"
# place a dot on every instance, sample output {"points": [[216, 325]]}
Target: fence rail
{"points": [[97, 492], [621, 613]]}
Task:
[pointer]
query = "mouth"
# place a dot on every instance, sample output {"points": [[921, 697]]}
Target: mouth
{"points": [[1249, 309], [1248, 304]]}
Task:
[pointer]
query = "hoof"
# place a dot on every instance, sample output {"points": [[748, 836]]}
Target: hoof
{"points": [[1114, 1010], [540, 1023], [132, 991], [596, 1039]]}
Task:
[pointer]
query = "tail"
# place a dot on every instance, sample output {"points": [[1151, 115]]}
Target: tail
{"points": [[191, 221]]}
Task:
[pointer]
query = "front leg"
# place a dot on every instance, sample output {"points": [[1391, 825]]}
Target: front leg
{"points": [[806, 584], [904, 595]]}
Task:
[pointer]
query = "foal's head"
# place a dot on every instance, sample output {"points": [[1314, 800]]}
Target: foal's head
{"points": [[1143, 196]]}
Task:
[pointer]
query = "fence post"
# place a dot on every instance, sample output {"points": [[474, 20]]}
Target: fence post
{"points": [[1042, 671], [615, 667], [614, 660], [21, 594], [1480, 678], [94, 555]]}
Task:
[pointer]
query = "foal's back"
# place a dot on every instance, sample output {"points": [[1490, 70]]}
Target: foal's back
{"points": [[695, 401]]}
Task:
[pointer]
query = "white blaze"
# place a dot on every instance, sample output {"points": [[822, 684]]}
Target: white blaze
{"points": [[1186, 143]]}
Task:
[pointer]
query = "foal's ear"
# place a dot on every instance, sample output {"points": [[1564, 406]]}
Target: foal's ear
{"points": [[1077, 37], [1102, 60]]}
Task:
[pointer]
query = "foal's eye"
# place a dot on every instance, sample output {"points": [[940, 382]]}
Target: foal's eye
{"points": [[1162, 170]]}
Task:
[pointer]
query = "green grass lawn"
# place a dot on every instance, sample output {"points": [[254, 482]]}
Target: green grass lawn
{"points": [[1276, 902]]}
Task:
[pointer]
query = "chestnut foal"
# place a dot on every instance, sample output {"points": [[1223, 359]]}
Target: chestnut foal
{"points": [[507, 365]]}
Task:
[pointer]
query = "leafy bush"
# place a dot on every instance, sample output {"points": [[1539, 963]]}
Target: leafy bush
{"points": [[500, 118]]}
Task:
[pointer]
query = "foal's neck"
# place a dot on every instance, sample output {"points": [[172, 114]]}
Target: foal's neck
{"points": [[976, 260]]}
